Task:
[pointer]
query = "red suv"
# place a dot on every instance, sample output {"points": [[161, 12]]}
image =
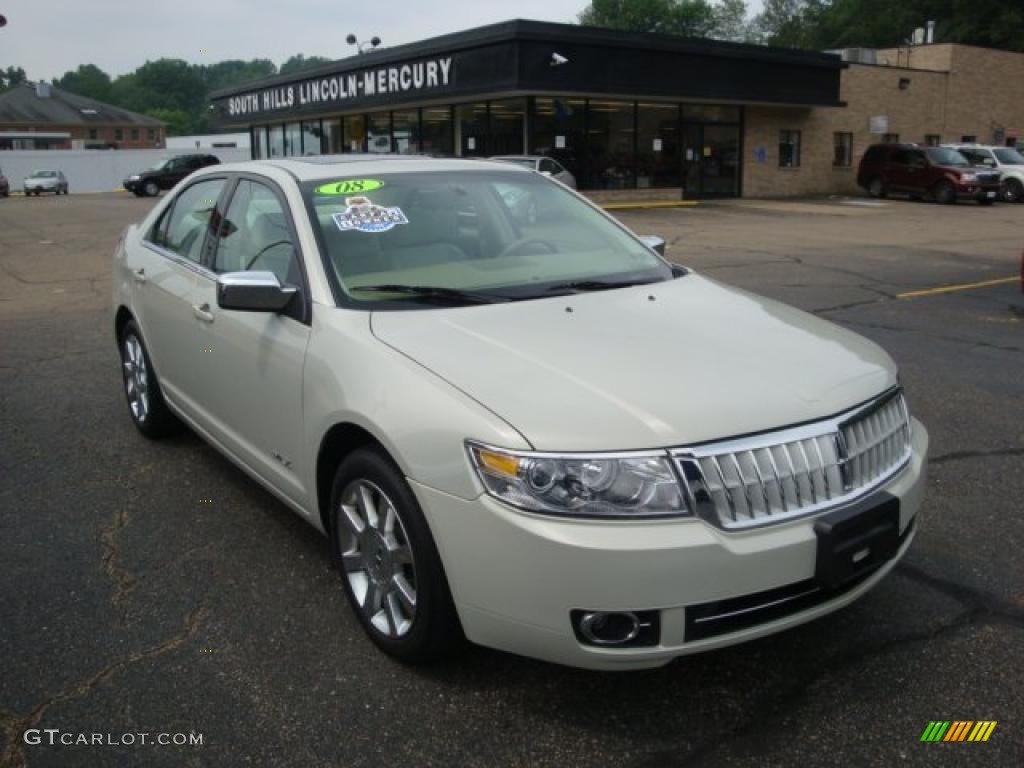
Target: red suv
{"points": [[938, 173]]}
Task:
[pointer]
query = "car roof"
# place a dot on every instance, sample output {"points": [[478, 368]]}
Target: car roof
{"points": [[322, 166]]}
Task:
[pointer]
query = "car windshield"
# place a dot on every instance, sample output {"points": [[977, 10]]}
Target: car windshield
{"points": [[1009, 156], [946, 156], [162, 164], [44, 174], [468, 236]]}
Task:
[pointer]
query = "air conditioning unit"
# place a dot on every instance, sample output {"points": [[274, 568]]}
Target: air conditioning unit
{"points": [[856, 55]]}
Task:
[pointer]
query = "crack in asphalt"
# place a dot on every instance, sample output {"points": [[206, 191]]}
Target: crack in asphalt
{"points": [[936, 336], [13, 726], [980, 609], [962, 455], [123, 581]]}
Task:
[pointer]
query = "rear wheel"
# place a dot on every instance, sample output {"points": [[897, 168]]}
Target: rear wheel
{"points": [[944, 192], [876, 187], [1014, 191], [390, 568], [146, 404]]}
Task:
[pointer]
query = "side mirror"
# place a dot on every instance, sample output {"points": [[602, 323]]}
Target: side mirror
{"points": [[655, 243], [253, 292]]}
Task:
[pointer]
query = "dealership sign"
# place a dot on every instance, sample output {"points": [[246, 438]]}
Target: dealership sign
{"points": [[336, 89]]}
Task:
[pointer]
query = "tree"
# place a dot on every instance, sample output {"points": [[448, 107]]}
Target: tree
{"points": [[731, 21], [225, 74], [298, 62], [784, 23], [695, 18], [11, 77], [88, 80]]}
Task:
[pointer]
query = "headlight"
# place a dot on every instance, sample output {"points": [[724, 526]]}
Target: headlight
{"points": [[585, 485], [968, 177], [133, 178]]}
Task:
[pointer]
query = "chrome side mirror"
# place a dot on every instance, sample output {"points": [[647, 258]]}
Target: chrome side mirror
{"points": [[655, 243], [253, 292]]}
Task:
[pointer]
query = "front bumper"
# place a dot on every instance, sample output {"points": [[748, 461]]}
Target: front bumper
{"points": [[515, 577], [979, 191], [132, 185], [41, 187]]}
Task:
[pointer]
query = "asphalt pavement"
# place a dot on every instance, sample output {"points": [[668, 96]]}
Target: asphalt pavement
{"points": [[152, 588]]}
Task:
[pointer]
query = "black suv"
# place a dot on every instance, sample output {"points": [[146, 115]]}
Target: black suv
{"points": [[166, 174]]}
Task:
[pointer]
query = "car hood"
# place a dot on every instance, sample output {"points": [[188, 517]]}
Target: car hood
{"points": [[680, 362]]}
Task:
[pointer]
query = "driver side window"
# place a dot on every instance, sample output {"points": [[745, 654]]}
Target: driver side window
{"points": [[255, 235]]}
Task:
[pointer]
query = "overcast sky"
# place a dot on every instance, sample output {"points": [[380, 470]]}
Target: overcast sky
{"points": [[47, 39]]}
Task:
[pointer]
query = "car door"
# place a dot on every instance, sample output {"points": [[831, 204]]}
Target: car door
{"points": [[177, 170], [164, 272], [251, 375]]}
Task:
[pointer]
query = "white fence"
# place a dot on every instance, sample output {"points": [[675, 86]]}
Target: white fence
{"points": [[94, 170]]}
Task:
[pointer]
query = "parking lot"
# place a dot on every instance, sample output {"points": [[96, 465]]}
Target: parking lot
{"points": [[153, 588]]}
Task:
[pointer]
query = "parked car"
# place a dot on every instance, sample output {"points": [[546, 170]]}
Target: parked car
{"points": [[497, 424], [1007, 160], [166, 174], [937, 173], [5, 186], [46, 181], [545, 165]]}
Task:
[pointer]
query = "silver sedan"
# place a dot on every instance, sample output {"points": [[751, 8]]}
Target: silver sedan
{"points": [[46, 181]]}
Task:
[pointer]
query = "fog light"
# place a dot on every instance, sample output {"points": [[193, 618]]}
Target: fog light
{"points": [[616, 629]]}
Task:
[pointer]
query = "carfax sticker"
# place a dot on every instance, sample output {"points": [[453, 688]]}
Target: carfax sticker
{"points": [[349, 186], [362, 215]]}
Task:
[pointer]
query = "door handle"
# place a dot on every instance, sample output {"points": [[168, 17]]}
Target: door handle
{"points": [[139, 275], [202, 312]]}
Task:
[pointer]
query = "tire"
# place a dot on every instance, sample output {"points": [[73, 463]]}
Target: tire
{"points": [[1014, 191], [393, 579], [145, 399], [876, 187], [151, 189], [943, 192]]}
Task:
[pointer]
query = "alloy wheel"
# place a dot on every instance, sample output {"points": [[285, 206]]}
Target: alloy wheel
{"points": [[377, 559], [136, 377]]}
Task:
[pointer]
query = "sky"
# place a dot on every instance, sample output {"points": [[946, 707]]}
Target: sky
{"points": [[47, 39]]}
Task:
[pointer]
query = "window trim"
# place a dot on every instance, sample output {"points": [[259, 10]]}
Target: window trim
{"points": [[198, 267], [209, 253]]}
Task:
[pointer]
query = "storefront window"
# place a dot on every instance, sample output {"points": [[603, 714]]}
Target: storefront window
{"points": [[437, 137], [333, 139], [276, 140], [558, 132], [471, 124], [658, 152], [311, 138], [508, 127], [292, 139], [406, 126], [710, 113], [355, 133], [610, 139], [256, 140], [378, 132]]}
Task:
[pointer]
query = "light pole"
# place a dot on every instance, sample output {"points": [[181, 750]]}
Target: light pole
{"points": [[373, 42]]}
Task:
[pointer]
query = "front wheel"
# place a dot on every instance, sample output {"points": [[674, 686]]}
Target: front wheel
{"points": [[152, 189], [146, 404], [944, 192], [1014, 191], [390, 568]]}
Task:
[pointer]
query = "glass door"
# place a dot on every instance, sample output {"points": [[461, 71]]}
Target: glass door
{"points": [[711, 160]]}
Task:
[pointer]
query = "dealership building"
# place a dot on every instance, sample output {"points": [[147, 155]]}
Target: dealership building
{"points": [[638, 115]]}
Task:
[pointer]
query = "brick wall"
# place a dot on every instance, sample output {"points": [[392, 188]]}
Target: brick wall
{"points": [[104, 134]]}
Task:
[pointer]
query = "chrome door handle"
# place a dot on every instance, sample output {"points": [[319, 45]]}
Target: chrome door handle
{"points": [[202, 312], [139, 275]]}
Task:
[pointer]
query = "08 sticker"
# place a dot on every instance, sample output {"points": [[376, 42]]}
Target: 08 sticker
{"points": [[363, 215], [349, 186]]}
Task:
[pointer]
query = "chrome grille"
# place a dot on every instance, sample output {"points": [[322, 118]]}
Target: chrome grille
{"points": [[781, 475]]}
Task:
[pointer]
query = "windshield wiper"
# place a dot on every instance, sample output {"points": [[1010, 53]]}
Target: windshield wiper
{"points": [[595, 285], [434, 292]]}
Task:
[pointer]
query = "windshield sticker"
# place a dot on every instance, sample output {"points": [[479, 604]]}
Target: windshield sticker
{"points": [[349, 186], [363, 215]]}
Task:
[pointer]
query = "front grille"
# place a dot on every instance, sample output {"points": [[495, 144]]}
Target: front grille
{"points": [[780, 475]]}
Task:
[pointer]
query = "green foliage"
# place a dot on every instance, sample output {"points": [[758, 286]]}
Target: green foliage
{"points": [[88, 80], [694, 18], [11, 77], [298, 62]]}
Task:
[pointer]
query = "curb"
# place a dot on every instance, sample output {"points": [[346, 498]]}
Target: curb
{"points": [[651, 204]]}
